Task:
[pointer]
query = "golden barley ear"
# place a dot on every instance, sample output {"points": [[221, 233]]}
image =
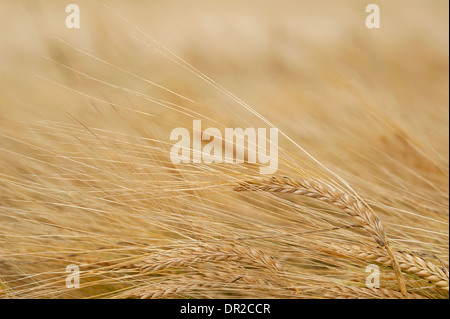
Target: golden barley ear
{"points": [[334, 197], [195, 283], [207, 252], [408, 262]]}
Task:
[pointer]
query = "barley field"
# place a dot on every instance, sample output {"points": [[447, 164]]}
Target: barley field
{"points": [[92, 204]]}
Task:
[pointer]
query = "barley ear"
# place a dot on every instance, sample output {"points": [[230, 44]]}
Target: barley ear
{"points": [[334, 197]]}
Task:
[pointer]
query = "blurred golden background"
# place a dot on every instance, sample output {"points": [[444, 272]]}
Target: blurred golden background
{"points": [[80, 108]]}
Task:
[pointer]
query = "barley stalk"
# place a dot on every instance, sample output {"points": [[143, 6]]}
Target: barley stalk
{"points": [[349, 204]]}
